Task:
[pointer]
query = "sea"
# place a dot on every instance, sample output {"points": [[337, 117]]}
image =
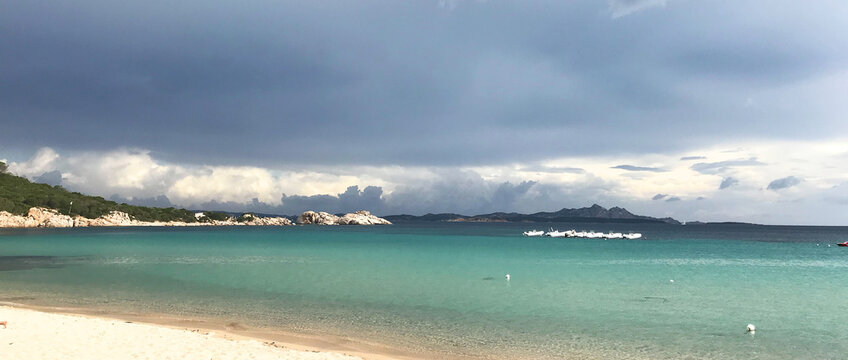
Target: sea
{"points": [[440, 289]]}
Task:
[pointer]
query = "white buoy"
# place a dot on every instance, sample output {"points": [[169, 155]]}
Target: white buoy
{"points": [[507, 277], [671, 281], [751, 328]]}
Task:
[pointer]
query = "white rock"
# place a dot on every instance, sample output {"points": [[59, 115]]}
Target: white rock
{"points": [[274, 221], [362, 217], [317, 218], [43, 217]]}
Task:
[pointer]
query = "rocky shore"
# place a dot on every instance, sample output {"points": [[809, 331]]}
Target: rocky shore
{"points": [[361, 217], [39, 217], [42, 217]]}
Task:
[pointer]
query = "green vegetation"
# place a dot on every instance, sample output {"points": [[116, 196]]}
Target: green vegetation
{"points": [[18, 194], [209, 216], [245, 217]]}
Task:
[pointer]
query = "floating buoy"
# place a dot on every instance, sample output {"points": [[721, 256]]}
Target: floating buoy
{"points": [[507, 277], [751, 328], [671, 281]]}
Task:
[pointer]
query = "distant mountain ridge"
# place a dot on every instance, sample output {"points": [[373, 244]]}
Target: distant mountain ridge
{"points": [[594, 213]]}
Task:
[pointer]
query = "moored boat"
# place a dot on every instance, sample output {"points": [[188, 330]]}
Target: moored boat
{"points": [[534, 233], [556, 233], [612, 235]]}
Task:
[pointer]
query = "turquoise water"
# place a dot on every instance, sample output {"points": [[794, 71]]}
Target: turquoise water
{"points": [[440, 287]]}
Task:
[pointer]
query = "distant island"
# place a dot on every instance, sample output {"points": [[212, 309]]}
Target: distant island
{"points": [[594, 213]]}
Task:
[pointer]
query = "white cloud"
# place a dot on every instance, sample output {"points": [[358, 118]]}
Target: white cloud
{"points": [[43, 161], [128, 172], [133, 173], [223, 184]]}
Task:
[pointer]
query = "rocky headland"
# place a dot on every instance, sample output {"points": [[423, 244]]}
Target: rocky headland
{"points": [[39, 217], [361, 217]]}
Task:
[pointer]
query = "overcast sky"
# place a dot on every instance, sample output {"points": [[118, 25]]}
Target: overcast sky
{"points": [[699, 110]]}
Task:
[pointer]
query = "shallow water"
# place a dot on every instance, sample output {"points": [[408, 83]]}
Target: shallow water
{"points": [[440, 287]]}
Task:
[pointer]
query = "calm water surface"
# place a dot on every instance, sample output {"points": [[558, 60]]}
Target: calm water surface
{"points": [[440, 287]]}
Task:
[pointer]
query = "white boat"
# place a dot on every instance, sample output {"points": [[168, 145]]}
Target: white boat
{"points": [[594, 235], [556, 234], [632, 236], [534, 233]]}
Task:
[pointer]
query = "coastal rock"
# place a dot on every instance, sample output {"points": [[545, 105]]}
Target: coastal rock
{"points": [[362, 217], [43, 217], [317, 218], [9, 220], [36, 217], [80, 221], [265, 221], [114, 218]]}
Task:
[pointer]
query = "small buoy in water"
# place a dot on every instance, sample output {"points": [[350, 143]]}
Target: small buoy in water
{"points": [[828, 245], [671, 281], [507, 277], [751, 328]]}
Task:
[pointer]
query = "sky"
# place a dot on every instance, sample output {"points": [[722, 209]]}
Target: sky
{"points": [[698, 110]]}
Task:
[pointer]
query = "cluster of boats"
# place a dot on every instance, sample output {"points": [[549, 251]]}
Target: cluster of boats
{"points": [[583, 234]]}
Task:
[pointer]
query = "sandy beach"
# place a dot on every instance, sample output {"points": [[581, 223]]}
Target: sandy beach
{"points": [[32, 334]]}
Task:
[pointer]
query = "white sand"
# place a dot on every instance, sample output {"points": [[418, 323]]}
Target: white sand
{"points": [[37, 335]]}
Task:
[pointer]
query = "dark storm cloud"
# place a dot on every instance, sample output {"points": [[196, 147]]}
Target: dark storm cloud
{"points": [[727, 182], [722, 166], [390, 82], [352, 199], [763, 64], [784, 183], [506, 194], [464, 193], [638, 168]]}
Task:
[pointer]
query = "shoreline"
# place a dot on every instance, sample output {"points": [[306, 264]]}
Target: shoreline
{"points": [[275, 343], [39, 217]]}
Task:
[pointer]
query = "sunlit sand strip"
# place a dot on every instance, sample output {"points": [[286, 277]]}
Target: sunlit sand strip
{"points": [[32, 334]]}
